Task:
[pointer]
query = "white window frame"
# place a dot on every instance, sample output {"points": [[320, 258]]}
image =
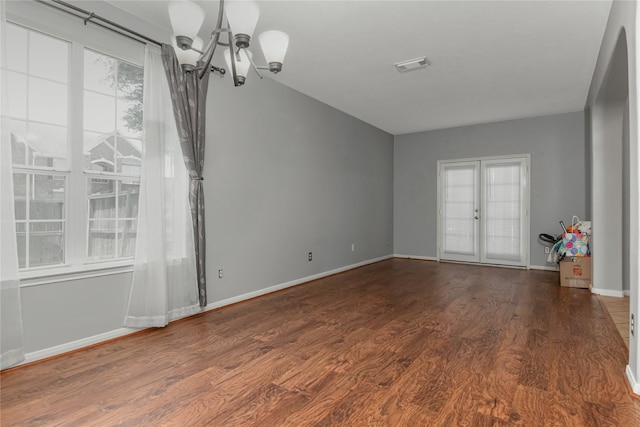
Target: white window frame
{"points": [[45, 20]]}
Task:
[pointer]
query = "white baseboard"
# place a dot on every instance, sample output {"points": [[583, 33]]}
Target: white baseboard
{"points": [[632, 381], [264, 291], [424, 258], [607, 292], [75, 345], [95, 339], [627, 293], [543, 267]]}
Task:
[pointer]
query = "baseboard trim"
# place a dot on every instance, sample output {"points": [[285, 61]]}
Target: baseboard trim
{"points": [[424, 258], [607, 292], [117, 333], [635, 387], [281, 286], [627, 293], [75, 345], [543, 267]]}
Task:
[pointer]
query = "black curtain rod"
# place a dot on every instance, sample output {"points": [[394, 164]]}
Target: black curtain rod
{"points": [[97, 20]]}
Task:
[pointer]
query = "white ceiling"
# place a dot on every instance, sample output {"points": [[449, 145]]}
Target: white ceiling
{"points": [[491, 60]]}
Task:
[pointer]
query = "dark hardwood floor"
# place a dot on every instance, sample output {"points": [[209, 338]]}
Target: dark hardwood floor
{"points": [[397, 343]]}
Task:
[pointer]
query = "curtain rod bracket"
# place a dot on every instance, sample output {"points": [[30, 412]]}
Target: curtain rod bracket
{"points": [[89, 18]]}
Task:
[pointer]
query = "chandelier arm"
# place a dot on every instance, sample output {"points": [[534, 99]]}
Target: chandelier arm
{"points": [[213, 43], [217, 32], [213, 69], [253, 65], [205, 52], [233, 60], [220, 31]]}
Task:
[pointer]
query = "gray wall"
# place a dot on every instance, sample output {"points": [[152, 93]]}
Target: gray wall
{"points": [[557, 147], [611, 167], [54, 314], [626, 200], [286, 175]]}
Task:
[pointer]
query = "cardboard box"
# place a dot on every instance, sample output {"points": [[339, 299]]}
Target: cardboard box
{"points": [[575, 272]]}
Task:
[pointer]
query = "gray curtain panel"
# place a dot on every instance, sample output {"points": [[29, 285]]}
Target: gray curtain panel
{"points": [[189, 99]]}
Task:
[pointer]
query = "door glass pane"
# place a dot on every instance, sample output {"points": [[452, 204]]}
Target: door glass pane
{"points": [[502, 214], [459, 205]]}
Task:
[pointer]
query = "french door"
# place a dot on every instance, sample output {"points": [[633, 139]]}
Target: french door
{"points": [[483, 210]]}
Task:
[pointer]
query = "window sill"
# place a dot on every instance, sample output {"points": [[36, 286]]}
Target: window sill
{"points": [[67, 273]]}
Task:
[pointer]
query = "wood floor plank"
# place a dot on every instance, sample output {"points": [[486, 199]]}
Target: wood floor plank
{"points": [[396, 343]]}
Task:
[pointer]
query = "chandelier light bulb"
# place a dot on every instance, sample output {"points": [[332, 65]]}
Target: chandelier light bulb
{"points": [[274, 46], [242, 16], [186, 19], [187, 58], [242, 66]]}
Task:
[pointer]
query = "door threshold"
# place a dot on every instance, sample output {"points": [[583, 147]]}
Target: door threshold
{"points": [[484, 264]]}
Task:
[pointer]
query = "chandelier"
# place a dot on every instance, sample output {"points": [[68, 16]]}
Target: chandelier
{"points": [[242, 16]]}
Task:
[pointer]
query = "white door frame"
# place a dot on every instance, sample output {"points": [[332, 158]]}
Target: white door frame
{"points": [[527, 204]]}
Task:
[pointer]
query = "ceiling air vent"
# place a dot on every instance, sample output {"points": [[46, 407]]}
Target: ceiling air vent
{"points": [[412, 64]]}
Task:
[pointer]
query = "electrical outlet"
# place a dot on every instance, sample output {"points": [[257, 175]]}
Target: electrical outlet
{"points": [[353, 247], [632, 325], [546, 249], [220, 273], [310, 256]]}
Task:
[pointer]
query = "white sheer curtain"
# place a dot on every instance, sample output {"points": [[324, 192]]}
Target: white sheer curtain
{"points": [[11, 351], [164, 285]]}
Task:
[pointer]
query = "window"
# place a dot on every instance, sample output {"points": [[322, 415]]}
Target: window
{"points": [[38, 80], [113, 145], [76, 139]]}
